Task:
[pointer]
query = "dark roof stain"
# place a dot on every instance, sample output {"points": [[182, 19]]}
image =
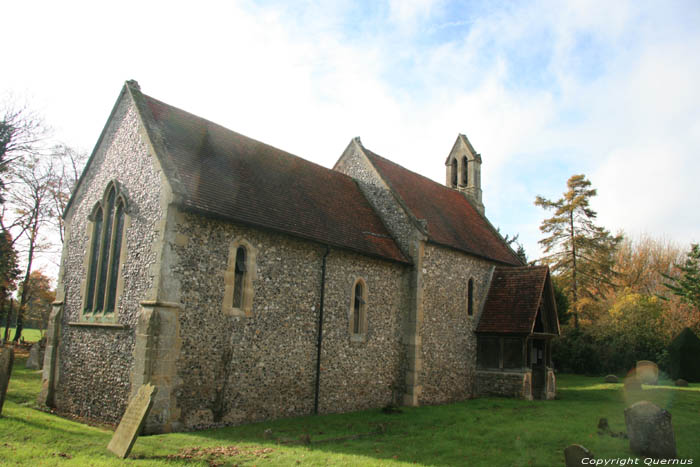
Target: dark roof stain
{"points": [[451, 219], [513, 299], [224, 174]]}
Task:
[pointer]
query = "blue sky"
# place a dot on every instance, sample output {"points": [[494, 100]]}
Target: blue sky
{"points": [[543, 89]]}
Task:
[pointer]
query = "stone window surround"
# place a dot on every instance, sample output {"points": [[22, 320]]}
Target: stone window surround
{"points": [[102, 318], [362, 335], [246, 309]]}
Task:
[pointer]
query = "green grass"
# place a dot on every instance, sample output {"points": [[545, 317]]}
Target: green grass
{"points": [[30, 335], [488, 432]]}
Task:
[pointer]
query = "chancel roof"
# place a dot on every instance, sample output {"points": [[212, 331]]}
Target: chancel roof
{"points": [[515, 297], [451, 219], [218, 172]]}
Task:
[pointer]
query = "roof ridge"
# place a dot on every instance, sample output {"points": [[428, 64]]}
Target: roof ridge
{"points": [[241, 135], [406, 169], [446, 189]]}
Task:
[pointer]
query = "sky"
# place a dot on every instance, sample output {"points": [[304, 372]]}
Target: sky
{"points": [[542, 89]]}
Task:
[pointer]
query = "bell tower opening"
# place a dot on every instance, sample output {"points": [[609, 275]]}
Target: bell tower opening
{"points": [[463, 167]]}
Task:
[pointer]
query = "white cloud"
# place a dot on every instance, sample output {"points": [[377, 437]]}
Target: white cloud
{"points": [[543, 90]]}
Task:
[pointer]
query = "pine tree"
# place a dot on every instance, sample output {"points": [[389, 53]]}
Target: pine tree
{"points": [[577, 250], [687, 285]]}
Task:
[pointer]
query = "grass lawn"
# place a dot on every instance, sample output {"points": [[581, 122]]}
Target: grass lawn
{"points": [[488, 432], [30, 335]]}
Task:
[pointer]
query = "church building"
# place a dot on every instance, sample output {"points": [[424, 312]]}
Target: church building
{"points": [[248, 284]]}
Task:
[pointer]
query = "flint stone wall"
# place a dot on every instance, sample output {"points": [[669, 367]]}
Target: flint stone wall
{"points": [[235, 370], [447, 332], [94, 362], [499, 383]]}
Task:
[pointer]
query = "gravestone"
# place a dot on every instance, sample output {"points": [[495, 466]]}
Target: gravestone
{"points": [[611, 379], [681, 383], [574, 455], [647, 372], [650, 431], [132, 421], [34, 361], [7, 358], [632, 384]]}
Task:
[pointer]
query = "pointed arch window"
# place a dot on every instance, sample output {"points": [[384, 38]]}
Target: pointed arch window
{"points": [[470, 297], [358, 311], [105, 253], [238, 279], [465, 171]]}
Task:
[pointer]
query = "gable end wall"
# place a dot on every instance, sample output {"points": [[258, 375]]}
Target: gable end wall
{"points": [[354, 164], [94, 362]]}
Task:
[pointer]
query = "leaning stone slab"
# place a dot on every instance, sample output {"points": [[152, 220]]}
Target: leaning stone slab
{"points": [[132, 421], [7, 358], [647, 372], [33, 362], [575, 454], [650, 431]]}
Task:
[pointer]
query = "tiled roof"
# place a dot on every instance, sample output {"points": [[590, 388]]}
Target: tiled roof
{"points": [[222, 173], [452, 220], [513, 299]]}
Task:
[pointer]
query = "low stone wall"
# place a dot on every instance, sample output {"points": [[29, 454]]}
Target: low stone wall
{"points": [[502, 383]]}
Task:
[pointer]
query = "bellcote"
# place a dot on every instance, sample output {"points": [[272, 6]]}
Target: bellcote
{"points": [[463, 171]]}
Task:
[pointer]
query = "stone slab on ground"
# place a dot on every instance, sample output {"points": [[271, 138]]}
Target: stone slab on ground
{"points": [[681, 383], [612, 379], [574, 455], [647, 372], [132, 421], [7, 358], [650, 431]]}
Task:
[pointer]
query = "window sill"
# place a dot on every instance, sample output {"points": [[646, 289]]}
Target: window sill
{"points": [[358, 338], [237, 312], [98, 325]]}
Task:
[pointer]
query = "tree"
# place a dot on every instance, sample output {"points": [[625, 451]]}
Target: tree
{"points": [[39, 297], [687, 284], [576, 249], [513, 241], [9, 272], [640, 264], [33, 209], [20, 131], [68, 166]]}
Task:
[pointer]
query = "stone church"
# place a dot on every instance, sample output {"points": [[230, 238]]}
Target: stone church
{"points": [[247, 284]]}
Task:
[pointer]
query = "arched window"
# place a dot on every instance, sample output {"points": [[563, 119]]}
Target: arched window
{"points": [[358, 311], [465, 171], [238, 279], [108, 220], [454, 172], [470, 297]]}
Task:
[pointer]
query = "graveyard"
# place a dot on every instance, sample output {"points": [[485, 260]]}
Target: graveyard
{"points": [[483, 431]]}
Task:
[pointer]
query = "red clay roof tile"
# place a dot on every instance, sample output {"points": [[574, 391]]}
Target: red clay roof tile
{"points": [[226, 174], [452, 220], [513, 299]]}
